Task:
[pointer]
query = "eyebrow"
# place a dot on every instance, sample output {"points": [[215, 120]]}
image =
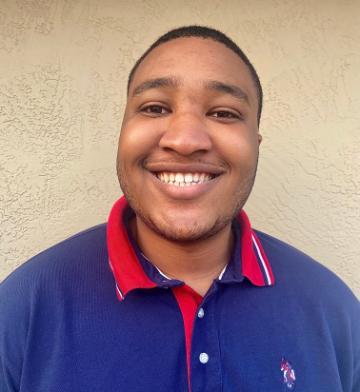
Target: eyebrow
{"points": [[155, 83], [214, 85], [230, 89]]}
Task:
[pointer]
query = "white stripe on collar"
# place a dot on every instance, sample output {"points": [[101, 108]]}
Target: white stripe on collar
{"points": [[268, 279]]}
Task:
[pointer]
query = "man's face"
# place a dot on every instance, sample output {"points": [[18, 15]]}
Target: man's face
{"points": [[189, 141]]}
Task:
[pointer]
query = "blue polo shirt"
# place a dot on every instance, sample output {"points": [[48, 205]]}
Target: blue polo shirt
{"points": [[275, 320]]}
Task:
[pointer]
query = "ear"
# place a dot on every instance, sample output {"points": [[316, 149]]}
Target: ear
{"points": [[259, 138]]}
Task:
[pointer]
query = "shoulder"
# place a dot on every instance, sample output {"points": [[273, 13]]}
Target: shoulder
{"points": [[43, 290], [297, 268], [57, 271], [69, 254], [299, 275], [317, 303], [55, 275]]}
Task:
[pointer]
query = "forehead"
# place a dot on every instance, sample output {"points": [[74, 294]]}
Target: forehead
{"points": [[194, 61]]}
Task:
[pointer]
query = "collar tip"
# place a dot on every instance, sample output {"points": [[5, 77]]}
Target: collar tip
{"points": [[120, 294], [261, 283]]}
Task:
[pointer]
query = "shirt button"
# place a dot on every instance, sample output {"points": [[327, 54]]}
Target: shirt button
{"points": [[204, 358], [201, 313]]}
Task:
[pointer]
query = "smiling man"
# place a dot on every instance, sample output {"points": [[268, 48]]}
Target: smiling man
{"points": [[188, 154], [177, 292]]}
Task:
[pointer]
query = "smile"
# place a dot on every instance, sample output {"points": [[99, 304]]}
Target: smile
{"points": [[184, 179]]}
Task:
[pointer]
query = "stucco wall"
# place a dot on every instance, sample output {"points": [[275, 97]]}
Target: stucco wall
{"points": [[63, 66]]}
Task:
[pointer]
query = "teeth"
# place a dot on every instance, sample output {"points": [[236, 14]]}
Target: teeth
{"points": [[179, 177], [183, 179], [188, 178]]}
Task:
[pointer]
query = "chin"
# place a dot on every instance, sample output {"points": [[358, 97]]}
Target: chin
{"points": [[186, 231]]}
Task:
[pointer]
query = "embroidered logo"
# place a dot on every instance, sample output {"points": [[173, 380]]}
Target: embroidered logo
{"points": [[288, 374]]}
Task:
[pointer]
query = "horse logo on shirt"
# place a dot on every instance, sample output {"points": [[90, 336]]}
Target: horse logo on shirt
{"points": [[288, 374]]}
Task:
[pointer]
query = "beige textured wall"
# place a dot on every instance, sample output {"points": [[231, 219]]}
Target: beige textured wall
{"points": [[63, 66]]}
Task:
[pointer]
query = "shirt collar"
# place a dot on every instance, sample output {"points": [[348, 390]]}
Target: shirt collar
{"points": [[133, 271]]}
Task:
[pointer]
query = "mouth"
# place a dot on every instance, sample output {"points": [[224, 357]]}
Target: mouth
{"points": [[184, 179]]}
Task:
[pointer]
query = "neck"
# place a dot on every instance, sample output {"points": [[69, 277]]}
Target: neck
{"points": [[196, 263]]}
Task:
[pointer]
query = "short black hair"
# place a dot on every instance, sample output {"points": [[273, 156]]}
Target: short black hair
{"points": [[205, 33]]}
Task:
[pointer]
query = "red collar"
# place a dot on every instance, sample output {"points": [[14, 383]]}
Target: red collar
{"points": [[129, 274]]}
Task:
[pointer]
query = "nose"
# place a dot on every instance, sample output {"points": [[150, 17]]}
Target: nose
{"points": [[186, 133]]}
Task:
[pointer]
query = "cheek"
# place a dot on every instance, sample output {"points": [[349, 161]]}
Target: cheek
{"points": [[239, 151], [137, 140]]}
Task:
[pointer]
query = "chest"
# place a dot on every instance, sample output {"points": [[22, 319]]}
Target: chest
{"points": [[139, 345]]}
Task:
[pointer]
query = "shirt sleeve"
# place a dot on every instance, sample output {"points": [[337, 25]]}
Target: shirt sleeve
{"points": [[356, 342], [13, 326]]}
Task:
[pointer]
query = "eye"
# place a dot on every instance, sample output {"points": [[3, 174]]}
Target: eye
{"points": [[225, 115], [154, 110]]}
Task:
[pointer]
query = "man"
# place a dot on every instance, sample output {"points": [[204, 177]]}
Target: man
{"points": [[194, 298]]}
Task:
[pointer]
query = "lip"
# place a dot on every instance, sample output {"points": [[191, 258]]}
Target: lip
{"points": [[178, 167], [183, 193]]}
